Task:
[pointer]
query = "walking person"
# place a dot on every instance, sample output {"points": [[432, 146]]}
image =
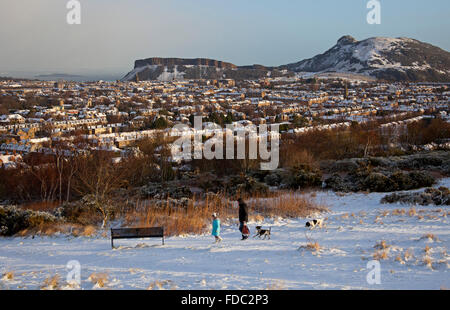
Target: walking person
{"points": [[243, 219], [216, 227]]}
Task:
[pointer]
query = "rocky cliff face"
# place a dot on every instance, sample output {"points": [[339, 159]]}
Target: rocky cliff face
{"points": [[171, 62], [168, 69]]}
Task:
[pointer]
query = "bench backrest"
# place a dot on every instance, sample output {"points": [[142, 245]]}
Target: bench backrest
{"points": [[145, 232]]}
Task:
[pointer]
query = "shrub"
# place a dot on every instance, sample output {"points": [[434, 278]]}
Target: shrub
{"points": [[421, 179], [435, 196], [13, 219], [302, 176], [273, 179], [378, 182], [243, 184], [87, 211], [337, 183], [402, 180], [163, 191]]}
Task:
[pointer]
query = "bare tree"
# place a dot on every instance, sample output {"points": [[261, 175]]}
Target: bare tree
{"points": [[99, 177]]}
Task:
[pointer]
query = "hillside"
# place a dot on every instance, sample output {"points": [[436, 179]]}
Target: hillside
{"points": [[400, 59]]}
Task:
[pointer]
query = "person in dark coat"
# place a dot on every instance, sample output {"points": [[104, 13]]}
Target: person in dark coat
{"points": [[243, 217]]}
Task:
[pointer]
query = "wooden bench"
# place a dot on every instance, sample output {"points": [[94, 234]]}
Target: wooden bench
{"points": [[129, 233]]}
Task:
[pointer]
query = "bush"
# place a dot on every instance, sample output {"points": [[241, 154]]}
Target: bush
{"points": [[421, 179], [363, 179], [402, 180], [238, 185], [163, 191], [273, 179], [87, 211], [338, 184], [378, 182], [208, 182], [440, 196], [14, 219], [302, 176]]}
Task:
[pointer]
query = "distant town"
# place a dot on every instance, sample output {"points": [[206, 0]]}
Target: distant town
{"points": [[114, 115]]}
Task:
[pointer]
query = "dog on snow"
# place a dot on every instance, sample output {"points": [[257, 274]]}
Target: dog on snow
{"points": [[262, 232], [314, 223]]}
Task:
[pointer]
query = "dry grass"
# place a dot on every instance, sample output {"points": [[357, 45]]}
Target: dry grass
{"points": [[162, 285], [50, 229], [287, 205], [399, 212], [382, 245], [51, 283], [382, 250], [378, 220], [380, 255], [98, 279], [40, 205], [429, 237], [412, 212], [408, 255], [89, 231], [276, 286], [400, 260], [428, 261], [311, 246], [427, 249], [195, 218], [8, 276], [256, 218]]}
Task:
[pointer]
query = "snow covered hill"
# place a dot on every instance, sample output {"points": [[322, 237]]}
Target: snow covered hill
{"points": [[411, 244], [398, 59], [393, 59]]}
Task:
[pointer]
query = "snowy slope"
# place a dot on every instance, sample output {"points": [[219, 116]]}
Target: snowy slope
{"points": [[388, 58], [354, 225]]}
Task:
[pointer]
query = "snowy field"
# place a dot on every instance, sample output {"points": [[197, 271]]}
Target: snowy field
{"points": [[355, 224]]}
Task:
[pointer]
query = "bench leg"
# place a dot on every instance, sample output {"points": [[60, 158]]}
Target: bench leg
{"points": [[112, 243], [162, 240]]}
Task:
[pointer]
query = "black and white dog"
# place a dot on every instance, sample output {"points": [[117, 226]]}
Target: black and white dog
{"points": [[262, 232], [314, 223]]}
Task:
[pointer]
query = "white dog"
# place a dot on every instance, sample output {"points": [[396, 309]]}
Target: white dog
{"points": [[314, 223]]}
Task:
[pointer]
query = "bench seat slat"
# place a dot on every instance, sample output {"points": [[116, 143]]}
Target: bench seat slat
{"points": [[144, 232]]}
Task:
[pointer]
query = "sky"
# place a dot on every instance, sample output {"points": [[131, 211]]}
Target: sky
{"points": [[35, 37]]}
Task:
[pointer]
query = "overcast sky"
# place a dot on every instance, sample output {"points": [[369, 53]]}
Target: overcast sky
{"points": [[34, 35]]}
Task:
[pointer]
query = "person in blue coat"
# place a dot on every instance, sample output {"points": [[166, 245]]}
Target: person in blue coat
{"points": [[216, 227]]}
